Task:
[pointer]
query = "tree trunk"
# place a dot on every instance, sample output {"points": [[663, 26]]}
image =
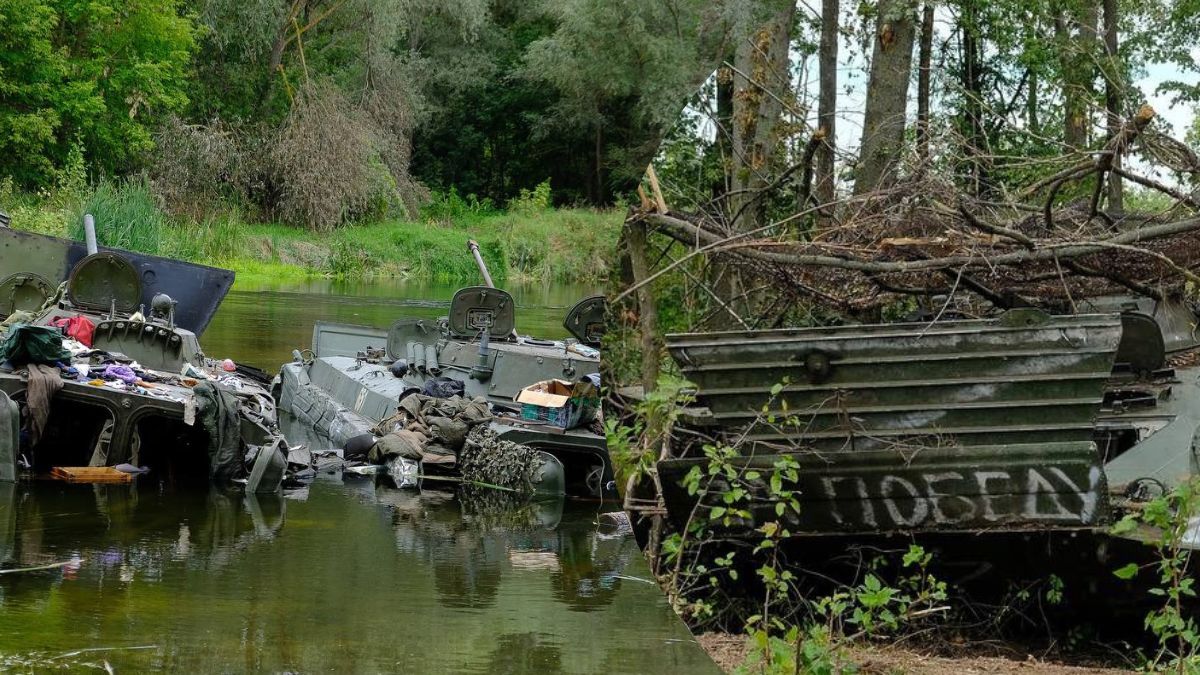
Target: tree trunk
{"points": [[1079, 71], [761, 83], [276, 58], [887, 96], [1031, 106], [827, 101], [601, 197], [725, 129], [923, 76], [972, 84], [638, 243], [1113, 81]]}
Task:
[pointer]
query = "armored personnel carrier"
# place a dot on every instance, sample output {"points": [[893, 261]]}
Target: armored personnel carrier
{"points": [[1024, 422], [353, 379], [101, 365]]}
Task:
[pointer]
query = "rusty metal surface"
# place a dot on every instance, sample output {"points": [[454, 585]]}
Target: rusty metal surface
{"points": [[1023, 378]]}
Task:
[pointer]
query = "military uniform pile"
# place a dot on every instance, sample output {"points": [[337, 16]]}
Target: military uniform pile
{"points": [[427, 429], [454, 432]]}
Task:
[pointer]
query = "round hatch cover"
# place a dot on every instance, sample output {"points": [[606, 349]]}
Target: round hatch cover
{"points": [[102, 279], [24, 291]]}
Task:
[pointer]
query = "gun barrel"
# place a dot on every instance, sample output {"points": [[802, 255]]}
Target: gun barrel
{"points": [[487, 277]]}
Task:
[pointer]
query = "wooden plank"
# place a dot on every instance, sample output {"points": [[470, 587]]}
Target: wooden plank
{"points": [[90, 474]]}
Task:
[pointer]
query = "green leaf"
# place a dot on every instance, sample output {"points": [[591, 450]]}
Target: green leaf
{"points": [[1125, 525], [1127, 572]]}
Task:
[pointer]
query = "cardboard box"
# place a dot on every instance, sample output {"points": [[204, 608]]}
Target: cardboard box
{"points": [[559, 403]]}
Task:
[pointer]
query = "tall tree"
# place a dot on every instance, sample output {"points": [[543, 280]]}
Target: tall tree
{"points": [[761, 88], [827, 63], [623, 70], [1076, 32], [94, 77], [924, 65], [887, 95], [1113, 82]]}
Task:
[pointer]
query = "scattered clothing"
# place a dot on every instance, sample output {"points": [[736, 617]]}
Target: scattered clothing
{"points": [[10, 437], [78, 327], [218, 410], [428, 429], [33, 344], [44, 382], [129, 468], [443, 387], [123, 373], [357, 448], [403, 443]]}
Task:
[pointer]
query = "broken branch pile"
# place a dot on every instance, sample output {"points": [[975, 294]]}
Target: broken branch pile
{"points": [[921, 236]]}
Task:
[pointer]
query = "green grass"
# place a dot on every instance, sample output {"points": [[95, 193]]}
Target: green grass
{"points": [[551, 245]]}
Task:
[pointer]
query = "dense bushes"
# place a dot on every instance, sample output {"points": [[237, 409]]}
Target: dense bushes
{"points": [[88, 77], [199, 166], [330, 163], [330, 160]]}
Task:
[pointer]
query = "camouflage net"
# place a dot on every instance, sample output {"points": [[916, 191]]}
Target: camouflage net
{"points": [[485, 458]]}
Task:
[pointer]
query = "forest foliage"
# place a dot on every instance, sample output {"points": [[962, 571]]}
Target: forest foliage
{"points": [[326, 112], [862, 130]]}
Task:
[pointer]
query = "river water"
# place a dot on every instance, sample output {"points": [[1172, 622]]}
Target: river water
{"points": [[347, 574]]}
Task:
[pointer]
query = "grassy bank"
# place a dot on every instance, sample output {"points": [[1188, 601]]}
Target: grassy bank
{"points": [[552, 245]]}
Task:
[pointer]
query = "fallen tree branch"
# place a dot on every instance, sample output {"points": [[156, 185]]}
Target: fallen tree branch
{"points": [[1156, 185], [1104, 158], [997, 230], [39, 568], [1141, 289], [1045, 251]]}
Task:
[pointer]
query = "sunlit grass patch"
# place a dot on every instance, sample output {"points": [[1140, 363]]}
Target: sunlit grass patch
{"points": [[550, 245]]}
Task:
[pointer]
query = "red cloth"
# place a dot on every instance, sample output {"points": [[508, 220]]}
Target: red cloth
{"points": [[78, 328]]}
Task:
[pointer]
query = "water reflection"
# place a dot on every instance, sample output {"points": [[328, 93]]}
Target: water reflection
{"points": [[344, 575], [261, 325], [526, 653], [130, 532]]}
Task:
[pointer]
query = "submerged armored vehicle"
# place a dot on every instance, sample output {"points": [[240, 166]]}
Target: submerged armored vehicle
{"points": [[1025, 422], [354, 378], [100, 365]]}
